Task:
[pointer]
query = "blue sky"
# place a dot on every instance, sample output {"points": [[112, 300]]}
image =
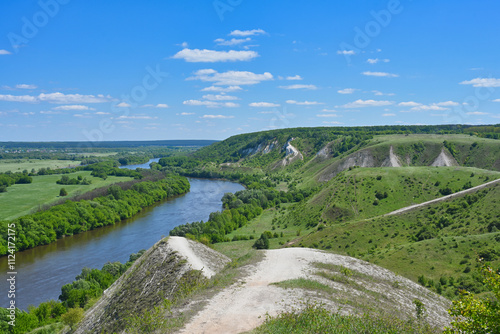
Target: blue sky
{"points": [[146, 70]]}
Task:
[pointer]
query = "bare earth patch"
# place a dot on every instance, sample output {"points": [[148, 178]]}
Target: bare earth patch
{"points": [[243, 306]]}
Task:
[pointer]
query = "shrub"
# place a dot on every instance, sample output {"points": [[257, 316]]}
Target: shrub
{"points": [[63, 192], [73, 317], [262, 242]]}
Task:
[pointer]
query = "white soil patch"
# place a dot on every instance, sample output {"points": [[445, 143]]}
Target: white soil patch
{"points": [[444, 160], [244, 305]]}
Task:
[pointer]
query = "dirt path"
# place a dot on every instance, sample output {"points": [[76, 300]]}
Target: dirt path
{"points": [[244, 305], [444, 198]]}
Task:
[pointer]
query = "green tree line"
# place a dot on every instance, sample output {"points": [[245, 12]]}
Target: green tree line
{"points": [[70, 218]]}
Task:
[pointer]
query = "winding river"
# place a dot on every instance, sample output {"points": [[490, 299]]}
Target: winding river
{"points": [[42, 271]]}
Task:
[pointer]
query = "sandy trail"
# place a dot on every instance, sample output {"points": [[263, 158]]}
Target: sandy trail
{"points": [[444, 198], [244, 305]]}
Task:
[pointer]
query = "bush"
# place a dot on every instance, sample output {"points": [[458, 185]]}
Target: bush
{"points": [[63, 192], [262, 242], [73, 317]]}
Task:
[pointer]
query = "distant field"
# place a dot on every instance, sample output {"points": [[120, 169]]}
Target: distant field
{"points": [[20, 199], [15, 165]]}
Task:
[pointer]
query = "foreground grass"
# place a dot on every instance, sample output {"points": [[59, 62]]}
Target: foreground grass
{"points": [[313, 319], [21, 199]]}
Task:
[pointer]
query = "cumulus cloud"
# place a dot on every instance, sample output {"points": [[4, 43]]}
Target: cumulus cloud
{"points": [[212, 56], [231, 78], [220, 97], [18, 98], [210, 104], [73, 107], [477, 113], [332, 122], [222, 89], [448, 104], [308, 87], [496, 100], [380, 74], [346, 52], [5, 52], [73, 98], [186, 114], [379, 93], [264, 105], [367, 103], [304, 103], [137, 117], [409, 104], [376, 60], [217, 116], [327, 115], [347, 91], [388, 115], [433, 107], [232, 41], [159, 106], [50, 112], [245, 33], [295, 77], [482, 82], [26, 86], [123, 105]]}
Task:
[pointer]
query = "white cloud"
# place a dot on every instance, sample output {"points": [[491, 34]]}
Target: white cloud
{"points": [[433, 107], [379, 93], [5, 52], [73, 98], [409, 104], [376, 60], [309, 87], [367, 103], [137, 117], [388, 115], [347, 91], [19, 98], [50, 112], [264, 105], [448, 104], [328, 110], [217, 116], [482, 82], [102, 113], [222, 89], [245, 33], [26, 86], [210, 104], [186, 114], [327, 115], [380, 74], [231, 78], [73, 107], [304, 103], [123, 105], [333, 122], [477, 113], [346, 52], [184, 44], [295, 77], [212, 56], [232, 41], [497, 100], [212, 97]]}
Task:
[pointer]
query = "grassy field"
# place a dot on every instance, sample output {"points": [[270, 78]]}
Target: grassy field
{"points": [[21, 199], [16, 165]]}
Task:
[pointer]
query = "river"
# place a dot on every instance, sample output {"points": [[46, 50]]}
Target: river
{"points": [[42, 271]]}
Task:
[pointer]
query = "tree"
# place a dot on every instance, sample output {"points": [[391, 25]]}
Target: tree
{"points": [[262, 242], [73, 317], [63, 192], [474, 315]]}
